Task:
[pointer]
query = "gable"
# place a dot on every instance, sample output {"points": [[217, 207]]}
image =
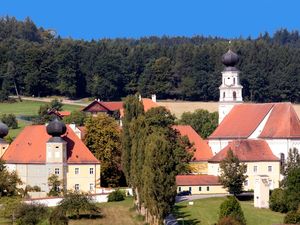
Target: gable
{"points": [[30, 147], [242, 121]]}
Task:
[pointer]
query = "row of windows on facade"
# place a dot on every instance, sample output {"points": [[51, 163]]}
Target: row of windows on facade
{"points": [[190, 189], [76, 171], [77, 187]]}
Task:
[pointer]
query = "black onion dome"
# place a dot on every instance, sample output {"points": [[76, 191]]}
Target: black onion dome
{"points": [[3, 130], [56, 128], [230, 59]]}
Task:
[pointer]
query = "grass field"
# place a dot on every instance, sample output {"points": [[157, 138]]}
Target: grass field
{"points": [[26, 108], [114, 213], [179, 107], [205, 212], [29, 107]]}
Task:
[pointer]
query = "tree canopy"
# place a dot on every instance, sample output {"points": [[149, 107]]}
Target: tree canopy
{"points": [[34, 61], [232, 173], [103, 138]]}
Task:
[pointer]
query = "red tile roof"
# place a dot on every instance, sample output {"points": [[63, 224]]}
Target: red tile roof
{"points": [[197, 180], [30, 147], [247, 151], [242, 121], [147, 103], [64, 113], [282, 123], [98, 106], [203, 151]]}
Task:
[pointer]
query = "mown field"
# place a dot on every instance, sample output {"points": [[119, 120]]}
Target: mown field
{"points": [[27, 108], [113, 213], [179, 107], [205, 212]]}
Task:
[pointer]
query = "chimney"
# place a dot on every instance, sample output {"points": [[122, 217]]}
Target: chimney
{"points": [[153, 97]]}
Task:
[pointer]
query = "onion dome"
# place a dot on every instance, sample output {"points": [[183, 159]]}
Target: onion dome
{"points": [[230, 59], [3, 130], [56, 128]]}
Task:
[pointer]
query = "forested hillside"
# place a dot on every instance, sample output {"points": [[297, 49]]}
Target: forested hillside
{"points": [[40, 63]]}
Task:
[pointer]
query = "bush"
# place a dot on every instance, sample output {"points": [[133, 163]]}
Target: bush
{"points": [[228, 221], [58, 217], [116, 196], [231, 208], [10, 120], [277, 201], [31, 214], [292, 217]]}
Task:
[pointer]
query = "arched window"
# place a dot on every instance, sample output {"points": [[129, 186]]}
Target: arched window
{"points": [[234, 95], [234, 80], [223, 94]]}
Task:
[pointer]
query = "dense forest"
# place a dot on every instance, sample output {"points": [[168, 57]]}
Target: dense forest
{"points": [[36, 61]]}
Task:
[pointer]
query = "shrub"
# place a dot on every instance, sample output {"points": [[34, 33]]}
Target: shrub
{"points": [[277, 201], [58, 217], [231, 208], [228, 221], [292, 217], [31, 214], [10, 120], [116, 196]]}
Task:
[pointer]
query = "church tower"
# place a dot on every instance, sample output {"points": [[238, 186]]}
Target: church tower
{"points": [[230, 89]]}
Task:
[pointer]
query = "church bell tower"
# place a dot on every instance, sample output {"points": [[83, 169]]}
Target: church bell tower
{"points": [[230, 89]]}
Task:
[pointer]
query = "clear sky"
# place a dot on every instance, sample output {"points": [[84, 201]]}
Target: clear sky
{"points": [[87, 19]]}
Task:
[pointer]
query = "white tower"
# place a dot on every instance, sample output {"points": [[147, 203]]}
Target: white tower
{"points": [[230, 89]]}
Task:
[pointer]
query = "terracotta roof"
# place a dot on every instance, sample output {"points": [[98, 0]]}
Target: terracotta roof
{"points": [[148, 104], [242, 121], [64, 113], [197, 180], [247, 151], [98, 106], [203, 151], [282, 123], [30, 147]]}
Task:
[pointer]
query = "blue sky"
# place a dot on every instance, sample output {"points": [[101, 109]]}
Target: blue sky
{"points": [[138, 18]]}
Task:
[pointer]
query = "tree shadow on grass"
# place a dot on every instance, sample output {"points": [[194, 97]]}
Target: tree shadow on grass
{"points": [[86, 216], [178, 213]]}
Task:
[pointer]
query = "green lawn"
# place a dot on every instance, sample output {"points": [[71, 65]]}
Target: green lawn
{"points": [[29, 107], [205, 212], [114, 213]]}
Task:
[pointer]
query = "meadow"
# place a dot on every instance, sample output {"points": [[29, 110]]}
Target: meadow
{"points": [[205, 212], [27, 108]]}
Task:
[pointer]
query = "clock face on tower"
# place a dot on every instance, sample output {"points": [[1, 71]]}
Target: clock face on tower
{"points": [[229, 81]]}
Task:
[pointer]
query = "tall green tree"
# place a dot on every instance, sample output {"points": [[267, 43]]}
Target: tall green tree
{"points": [[203, 122], [132, 109], [158, 154], [103, 138], [232, 173]]}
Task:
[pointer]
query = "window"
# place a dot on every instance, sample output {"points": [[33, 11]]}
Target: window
{"points": [[91, 186], [207, 188], [282, 159], [254, 169], [57, 188], [269, 168], [91, 170], [246, 183], [56, 171], [76, 187], [234, 95], [200, 188], [179, 189], [234, 80], [223, 94], [190, 189], [76, 170]]}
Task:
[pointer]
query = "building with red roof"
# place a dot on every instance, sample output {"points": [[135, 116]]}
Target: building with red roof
{"points": [[40, 151]]}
